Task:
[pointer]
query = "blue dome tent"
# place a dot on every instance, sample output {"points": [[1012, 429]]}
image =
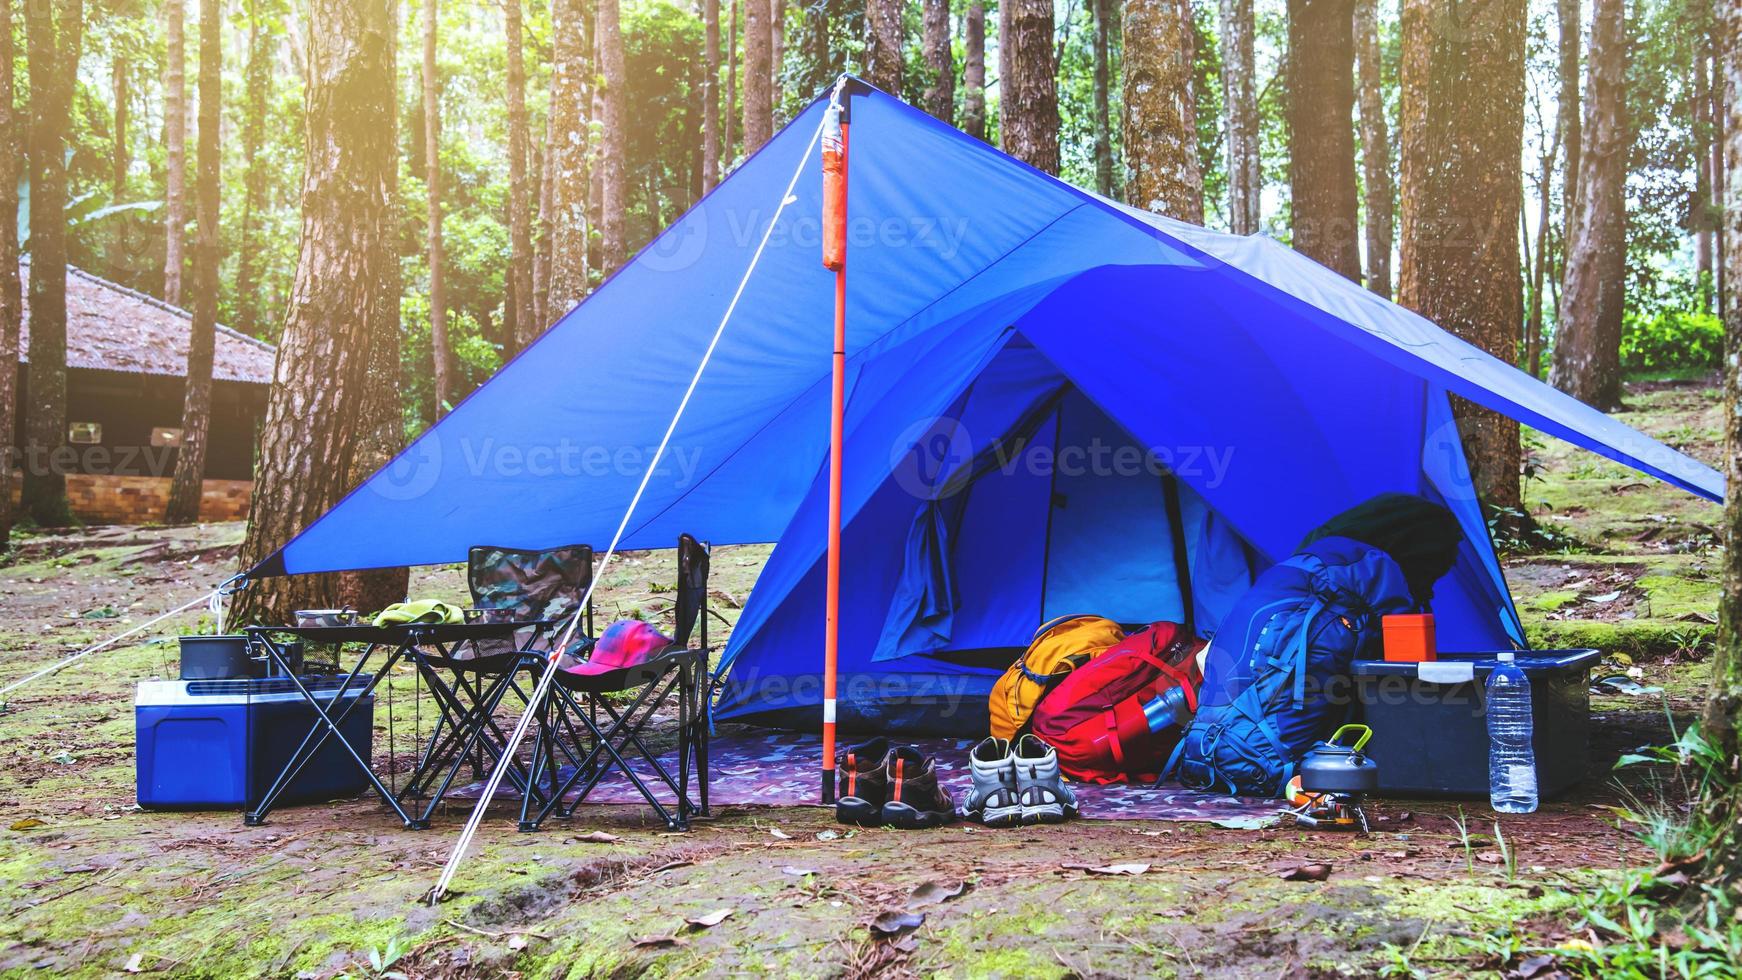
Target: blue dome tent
{"points": [[1055, 404]]}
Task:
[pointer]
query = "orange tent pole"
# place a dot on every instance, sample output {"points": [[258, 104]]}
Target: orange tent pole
{"points": [[834, 257]]}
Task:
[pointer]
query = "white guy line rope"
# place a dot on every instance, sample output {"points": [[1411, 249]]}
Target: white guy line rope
{"points": [[111, 641], [540, 692]]}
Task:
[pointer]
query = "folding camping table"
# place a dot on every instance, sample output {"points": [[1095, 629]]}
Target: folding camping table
{"points": [[467, 724]]}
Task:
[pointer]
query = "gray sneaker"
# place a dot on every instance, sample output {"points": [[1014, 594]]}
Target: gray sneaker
{"points": [[1041, 791], [993, 801]]}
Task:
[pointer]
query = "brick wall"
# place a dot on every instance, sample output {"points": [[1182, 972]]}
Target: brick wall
{"points": [[144, 499]]}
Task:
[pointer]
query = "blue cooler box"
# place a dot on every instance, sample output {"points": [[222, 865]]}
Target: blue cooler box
{"points": [[221, 743], [1430, 720]]}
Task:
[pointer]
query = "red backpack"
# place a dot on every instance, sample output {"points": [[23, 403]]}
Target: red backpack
{"points": [[1094, 717]]}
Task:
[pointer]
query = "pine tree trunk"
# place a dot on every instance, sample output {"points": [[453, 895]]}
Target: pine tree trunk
{"points": [[1163, 173], [1375, 149], [309, 441], [120, 161], [974, 71], [1103, 97], [776, 60], [55, 32], [540, 306], [1538, 264], [1571, 27], [1463, 131], [432, 178], [940, 63], [196, 414], [884, 41], [1587, 355], [175, 112], [1028, 107], [614, 178], [1700, 213], [728, 142], [257, 80], [12, 150], [519, 311], [572, 42], [710, 94], [1321, 139], [1721, 723], [758, 104], [1240, 99]]}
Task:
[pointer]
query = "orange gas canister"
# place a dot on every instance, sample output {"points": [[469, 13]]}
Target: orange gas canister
{"points": [[1410, 637]]}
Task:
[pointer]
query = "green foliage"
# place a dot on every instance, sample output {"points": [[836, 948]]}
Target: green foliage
{"points": [[1671, 340]]}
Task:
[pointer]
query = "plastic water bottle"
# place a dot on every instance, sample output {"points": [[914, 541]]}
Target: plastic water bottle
{"points": [[1511, 756]]}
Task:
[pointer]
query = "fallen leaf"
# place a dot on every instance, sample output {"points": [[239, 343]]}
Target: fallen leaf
{"points": [[1172, 913], [778, 834], [64, 758], [797, 872], [1534, 966], [934, 892], [597, 837], [1490, 857], [517, 941], [710, 920], [892, 922], [907, 943], [1605, 597], [28, 823], [1307, 872], [660, 941], [1108, 869], [827, 835], [134, 963]]}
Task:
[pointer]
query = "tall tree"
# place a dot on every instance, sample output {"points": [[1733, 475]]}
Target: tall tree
{"points": [[974, 70], [727, 141], [541, 240], [758, 99], [1321, 140], [432, 178], [1462, 80], [1163, 172], [55, 32], [940, 62], [1028, 106], [120, 156], [883, 43], [1721, 723], [518, 317], [309, 441], [1375, 149], [12, 151], [572, 44], [614, 124], [175, 113], [257, 80], [1571, 29], [1240, 97], [196, 413], [710, 94], [776, 58], [1103, 73], [1587, 353]]}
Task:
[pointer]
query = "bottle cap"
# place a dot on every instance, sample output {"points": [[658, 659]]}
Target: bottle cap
{"points": [[1504, 656]]}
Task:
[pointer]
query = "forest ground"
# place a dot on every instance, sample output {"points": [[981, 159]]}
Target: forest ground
{"points": [[91, 885]]}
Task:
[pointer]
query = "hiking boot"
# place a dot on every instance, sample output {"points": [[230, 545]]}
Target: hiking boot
{"points": [[915, 798], [860, 783], [993, 800], [1040, 788]]}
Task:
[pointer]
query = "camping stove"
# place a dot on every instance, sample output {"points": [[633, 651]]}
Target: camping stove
{"points": [[1333, 782]]}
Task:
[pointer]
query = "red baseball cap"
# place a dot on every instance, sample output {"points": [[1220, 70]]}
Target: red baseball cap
{"points": [[625, 643]]}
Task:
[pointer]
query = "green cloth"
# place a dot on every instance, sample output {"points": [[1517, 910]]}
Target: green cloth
{"points": [[1420, 535], [425, 611]]}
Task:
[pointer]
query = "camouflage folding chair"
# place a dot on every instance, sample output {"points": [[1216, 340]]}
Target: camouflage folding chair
{"points": [[539, 589], [605, 717]]}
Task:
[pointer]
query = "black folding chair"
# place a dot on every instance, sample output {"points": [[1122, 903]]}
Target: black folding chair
{"points": [[508, 585], [604, 717]]}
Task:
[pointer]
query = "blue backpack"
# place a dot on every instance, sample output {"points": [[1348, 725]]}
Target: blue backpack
{"points": [[1272, 672]]}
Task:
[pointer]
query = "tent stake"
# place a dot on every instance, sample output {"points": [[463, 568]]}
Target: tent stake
{"points": [[835, 124]]}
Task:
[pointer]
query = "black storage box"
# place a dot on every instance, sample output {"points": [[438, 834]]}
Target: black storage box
{"points": [[1430, 722], [212, 658]]}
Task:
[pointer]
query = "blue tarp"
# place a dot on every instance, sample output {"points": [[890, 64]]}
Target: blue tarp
{"points": [[978, 288]]}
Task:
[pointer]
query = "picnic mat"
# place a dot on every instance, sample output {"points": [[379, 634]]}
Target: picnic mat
{"points": [[756, 767]]}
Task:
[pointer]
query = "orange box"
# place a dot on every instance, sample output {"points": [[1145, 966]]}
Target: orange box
{"points": [[1410, 637]]}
